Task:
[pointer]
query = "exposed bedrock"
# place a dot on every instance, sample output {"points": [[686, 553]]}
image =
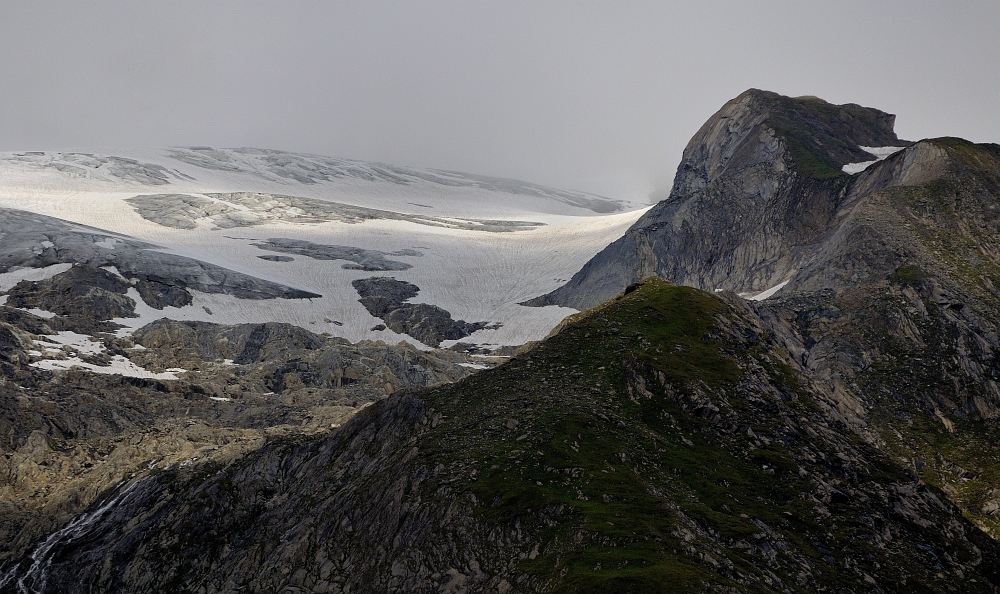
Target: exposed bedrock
{"points": [[11, 345], [180, 211], [80, 292], [358, 258], [241, 344], [758, 195], [86, 298], [386, 298], [34, 241], [277, 357]]}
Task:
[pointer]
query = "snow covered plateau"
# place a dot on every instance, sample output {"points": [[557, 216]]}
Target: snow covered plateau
{"points": [[257, 236]]}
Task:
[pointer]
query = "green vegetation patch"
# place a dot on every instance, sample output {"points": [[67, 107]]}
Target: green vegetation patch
{"points": [[907, 275]]}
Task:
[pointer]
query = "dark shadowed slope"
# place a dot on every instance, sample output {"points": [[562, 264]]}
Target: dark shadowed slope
{"points": [[659, 443]]}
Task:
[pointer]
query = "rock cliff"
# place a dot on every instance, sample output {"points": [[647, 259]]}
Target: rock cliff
{"points": [[757, 194]]}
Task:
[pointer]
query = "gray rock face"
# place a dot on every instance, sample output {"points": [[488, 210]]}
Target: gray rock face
{"points": [[276, 357], [242, 343], [35, 241], [11, 345], [385, 298], [359, 258], [81, 291], [758, 192]]}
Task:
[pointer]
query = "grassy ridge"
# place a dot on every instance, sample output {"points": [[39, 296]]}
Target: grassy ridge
{"points": [[658, 444]]}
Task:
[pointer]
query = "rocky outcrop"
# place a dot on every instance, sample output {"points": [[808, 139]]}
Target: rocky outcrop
{"points": [[758, 191], [358, 258], [36, 241], [11, 345], [81, 292], [386, 297], [281, 358]]}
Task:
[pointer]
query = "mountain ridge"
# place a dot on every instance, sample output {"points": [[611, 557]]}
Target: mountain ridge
{"points": [[651, 472], [835, 434]]}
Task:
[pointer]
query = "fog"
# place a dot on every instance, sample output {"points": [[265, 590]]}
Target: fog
{"points": [[596, 96]]}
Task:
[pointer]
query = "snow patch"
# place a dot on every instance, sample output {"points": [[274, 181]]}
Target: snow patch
{"points": [[83, 343], [119, 366], [75, 344], [880, 152], [769, 292], [474, 365], [114, 270]]}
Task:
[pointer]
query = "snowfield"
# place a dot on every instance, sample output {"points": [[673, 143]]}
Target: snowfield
{"points": [[475, 246], [879, 152]]}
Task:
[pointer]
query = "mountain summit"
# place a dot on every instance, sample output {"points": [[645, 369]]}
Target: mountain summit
{"points": [[759, 190]]}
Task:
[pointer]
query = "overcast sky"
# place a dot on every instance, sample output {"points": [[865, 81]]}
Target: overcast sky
{"points": [[597, 96]]}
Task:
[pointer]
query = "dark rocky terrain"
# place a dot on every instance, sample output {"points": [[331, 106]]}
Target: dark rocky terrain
{"points": [[67, 436], [839, 436], [687, 453], [386, 298]]}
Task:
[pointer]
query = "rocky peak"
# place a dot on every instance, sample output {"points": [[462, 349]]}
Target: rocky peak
{"points": [[759, 189], [785, 135]]}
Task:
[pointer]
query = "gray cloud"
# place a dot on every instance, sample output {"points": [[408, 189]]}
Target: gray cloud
{"points": [[583, 95]]}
